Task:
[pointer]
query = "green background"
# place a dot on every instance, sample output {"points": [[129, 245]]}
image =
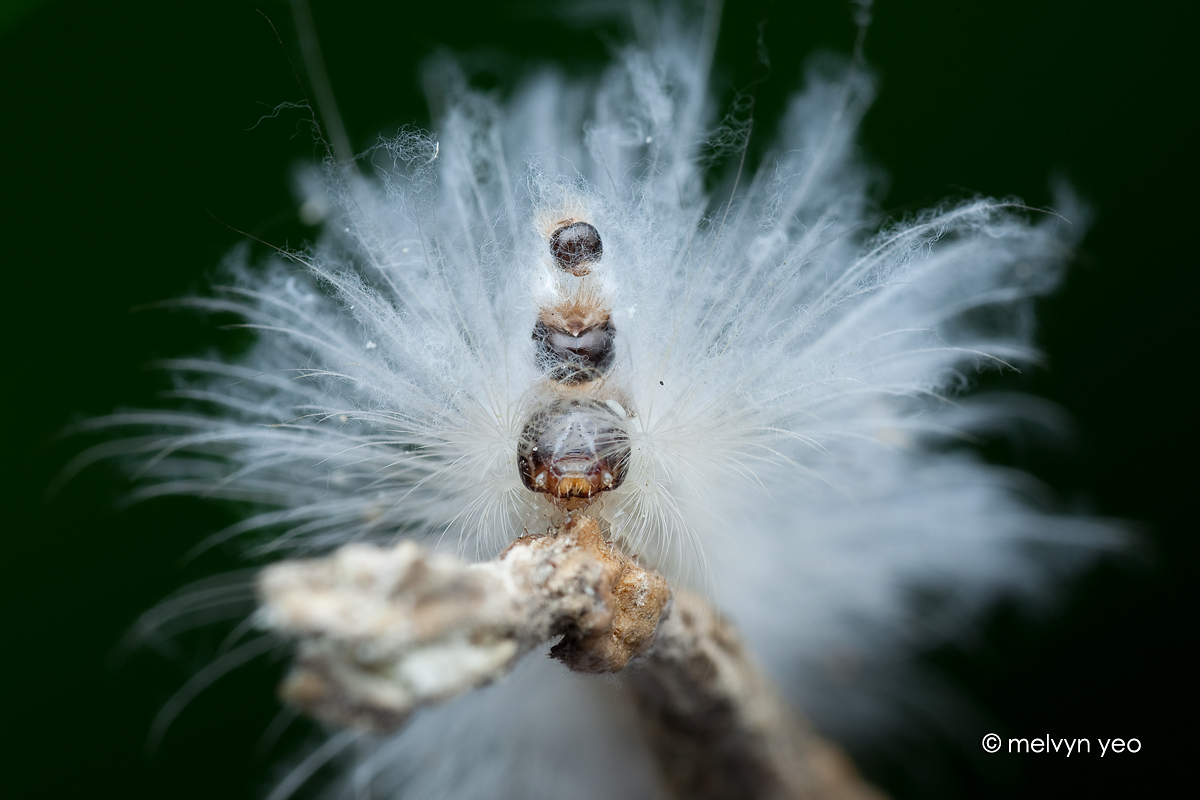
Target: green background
{"points": [[129, 161]]}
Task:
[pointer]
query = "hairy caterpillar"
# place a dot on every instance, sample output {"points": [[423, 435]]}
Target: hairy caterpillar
{"points": [[753, 398]]}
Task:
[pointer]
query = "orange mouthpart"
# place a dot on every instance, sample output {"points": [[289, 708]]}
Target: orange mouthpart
{"points": [[575, 486]]}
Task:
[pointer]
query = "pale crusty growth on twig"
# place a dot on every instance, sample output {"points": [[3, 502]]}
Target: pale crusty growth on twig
{"points": [[621, 610], [382, 632]]}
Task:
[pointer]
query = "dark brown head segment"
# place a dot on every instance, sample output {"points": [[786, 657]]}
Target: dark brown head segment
{"points": [[575, 247], [572, 450], [575, 353]]}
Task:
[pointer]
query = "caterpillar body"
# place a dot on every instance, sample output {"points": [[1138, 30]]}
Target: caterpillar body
{"points": [[540, 309]]}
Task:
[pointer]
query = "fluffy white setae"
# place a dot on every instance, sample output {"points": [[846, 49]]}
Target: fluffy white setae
{"points": [[784, 371]]}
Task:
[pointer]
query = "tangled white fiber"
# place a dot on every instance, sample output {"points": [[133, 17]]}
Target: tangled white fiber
{"points": [[789, 374]]}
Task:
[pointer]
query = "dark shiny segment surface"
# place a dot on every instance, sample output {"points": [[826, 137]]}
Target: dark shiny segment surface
{"points": [[573, 448], [575, 246], [574, 358]]}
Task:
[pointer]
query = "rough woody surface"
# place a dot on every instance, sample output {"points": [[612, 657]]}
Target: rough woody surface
{"points": [[719, 726], [382, 632]]}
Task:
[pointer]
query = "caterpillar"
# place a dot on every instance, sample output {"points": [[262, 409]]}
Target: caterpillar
{"points": [[752, 386]]}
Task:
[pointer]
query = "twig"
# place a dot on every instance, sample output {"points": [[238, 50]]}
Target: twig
{"points": [[382, 632]]}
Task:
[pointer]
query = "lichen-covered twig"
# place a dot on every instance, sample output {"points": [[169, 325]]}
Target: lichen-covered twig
{"points": [[382, 632]]}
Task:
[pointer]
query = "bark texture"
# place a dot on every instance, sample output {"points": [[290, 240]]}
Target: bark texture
{"points": [[382, 632]]}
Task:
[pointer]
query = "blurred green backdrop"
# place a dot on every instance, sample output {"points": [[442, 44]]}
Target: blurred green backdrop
{"points": [[130, 157]]}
